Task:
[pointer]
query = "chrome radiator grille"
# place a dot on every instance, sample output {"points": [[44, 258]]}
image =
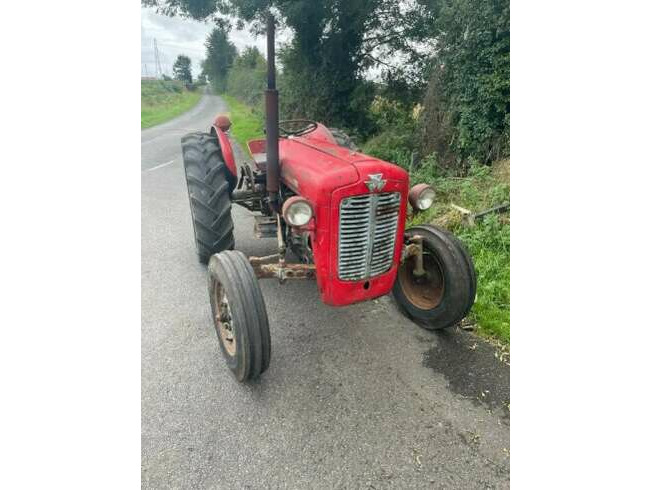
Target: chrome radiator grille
{"points": [[367, 235]]}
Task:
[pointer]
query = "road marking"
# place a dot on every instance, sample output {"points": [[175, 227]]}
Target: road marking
{"points": [[159, 166]]}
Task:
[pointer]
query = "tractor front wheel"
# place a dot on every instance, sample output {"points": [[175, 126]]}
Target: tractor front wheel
{"points": [[444, 294], [239, 315]]}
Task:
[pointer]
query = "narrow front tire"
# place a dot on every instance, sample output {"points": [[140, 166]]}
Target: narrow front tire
{"points": [[444, 295], [239, 315]]}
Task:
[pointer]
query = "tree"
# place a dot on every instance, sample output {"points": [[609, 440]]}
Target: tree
{"points": [[324, 63], [468, 97], [183, 69], [220, 53], [450, 56], [247, 77]]}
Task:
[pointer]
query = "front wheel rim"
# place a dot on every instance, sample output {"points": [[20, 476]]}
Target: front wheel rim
{"points": [[424, 292], [223, 321]]}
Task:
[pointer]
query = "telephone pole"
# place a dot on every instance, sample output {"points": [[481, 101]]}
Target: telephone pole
{"points": [[159, 71]]}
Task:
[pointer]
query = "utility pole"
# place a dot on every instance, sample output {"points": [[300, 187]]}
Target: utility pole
{"points": [[159, 71]]}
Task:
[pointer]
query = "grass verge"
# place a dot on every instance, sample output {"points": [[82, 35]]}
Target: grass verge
{"points": [[247, 124], [161, 101], [488, 240]]}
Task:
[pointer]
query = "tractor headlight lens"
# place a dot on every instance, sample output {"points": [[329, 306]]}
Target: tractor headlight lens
{"points": [[421, 197], [297, 211], [425, 201]]}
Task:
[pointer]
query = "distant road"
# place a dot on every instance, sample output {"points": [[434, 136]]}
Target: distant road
{"points": [[356, 397]]}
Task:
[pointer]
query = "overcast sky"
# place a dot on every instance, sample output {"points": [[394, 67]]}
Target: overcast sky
{"points": [[181, 36], [176, 35]]}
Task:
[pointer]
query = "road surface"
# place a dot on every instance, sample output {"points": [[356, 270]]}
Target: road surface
{"points": [[356, 397]]}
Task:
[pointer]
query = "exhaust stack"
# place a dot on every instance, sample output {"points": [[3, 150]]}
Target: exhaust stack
{"points": [[272, 123]]}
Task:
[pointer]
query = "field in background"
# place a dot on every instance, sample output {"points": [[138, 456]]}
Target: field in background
{"points": [[488, 240], [161, 101]]}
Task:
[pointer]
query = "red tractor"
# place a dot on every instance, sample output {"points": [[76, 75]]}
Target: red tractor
{"points": [[340, 212]]}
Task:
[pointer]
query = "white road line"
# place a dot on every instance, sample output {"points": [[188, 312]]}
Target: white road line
{"points": [[159, 166]]}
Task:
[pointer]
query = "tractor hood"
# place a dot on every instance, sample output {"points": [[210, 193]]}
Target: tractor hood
{"points": [[315, 168]]}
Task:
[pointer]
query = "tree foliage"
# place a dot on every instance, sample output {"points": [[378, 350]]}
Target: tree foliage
{"points": [[324, 62], [220, 53], [472, 76], [247, 77], [444, 63], [183, 69]]}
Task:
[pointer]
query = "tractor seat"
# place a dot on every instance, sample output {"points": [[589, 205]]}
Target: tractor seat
{"points": [[257, 149]]}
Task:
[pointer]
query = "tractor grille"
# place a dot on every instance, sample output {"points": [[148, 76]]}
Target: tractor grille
{"points": [[367, 235]]}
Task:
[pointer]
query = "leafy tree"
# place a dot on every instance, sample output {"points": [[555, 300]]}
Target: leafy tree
{"points": [[247, 77], [183, 69], [445, 64], [469, 86], [323, 64], [220, 53]]}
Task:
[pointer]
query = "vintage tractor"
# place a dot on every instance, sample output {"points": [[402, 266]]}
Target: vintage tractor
{"points": [[341, 213]]}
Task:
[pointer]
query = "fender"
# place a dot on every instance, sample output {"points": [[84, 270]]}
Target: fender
{"points": [[226, 150]]}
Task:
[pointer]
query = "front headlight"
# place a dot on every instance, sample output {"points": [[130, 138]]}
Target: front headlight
{"points": [[421, 197], [297, 211]]}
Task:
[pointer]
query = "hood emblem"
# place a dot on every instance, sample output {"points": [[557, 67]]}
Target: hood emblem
{"points": [[376, 183]]}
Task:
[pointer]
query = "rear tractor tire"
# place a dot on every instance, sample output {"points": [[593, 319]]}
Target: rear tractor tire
{"points": [[239, 315], [445, 294], [208, 187]]}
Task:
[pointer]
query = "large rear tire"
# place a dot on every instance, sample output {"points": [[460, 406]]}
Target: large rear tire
{"points": [[239, 315], [207, 179], [446, 293]]}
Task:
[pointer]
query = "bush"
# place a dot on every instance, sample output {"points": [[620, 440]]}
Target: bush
{"points": [[396, 140], [247, 78], [392, 146], [468, 101]]}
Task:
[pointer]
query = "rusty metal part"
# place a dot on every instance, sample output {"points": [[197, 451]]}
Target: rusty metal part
{"points": [[415, 250], [265, 269], [425, 291], [272, 116], [282, 248], [223, 320]]}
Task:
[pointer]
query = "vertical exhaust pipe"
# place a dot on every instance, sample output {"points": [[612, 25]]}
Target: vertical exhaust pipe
{"points": [[272, 122]]}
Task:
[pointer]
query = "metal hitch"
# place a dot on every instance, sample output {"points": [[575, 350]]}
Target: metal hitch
{"points": [[274, 266], [266, 269]]}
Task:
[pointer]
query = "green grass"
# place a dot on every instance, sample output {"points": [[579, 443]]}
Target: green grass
{"points": [[247, 124], [161, 101], [488, 241]]}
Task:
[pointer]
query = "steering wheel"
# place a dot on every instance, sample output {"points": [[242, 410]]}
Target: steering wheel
{"points": [[297, 127]]}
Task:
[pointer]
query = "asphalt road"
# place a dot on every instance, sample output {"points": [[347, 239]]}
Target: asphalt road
{"points": [[356, 397]]}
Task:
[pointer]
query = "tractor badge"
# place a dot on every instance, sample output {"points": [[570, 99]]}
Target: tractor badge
{"points": [[376, 183]]}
